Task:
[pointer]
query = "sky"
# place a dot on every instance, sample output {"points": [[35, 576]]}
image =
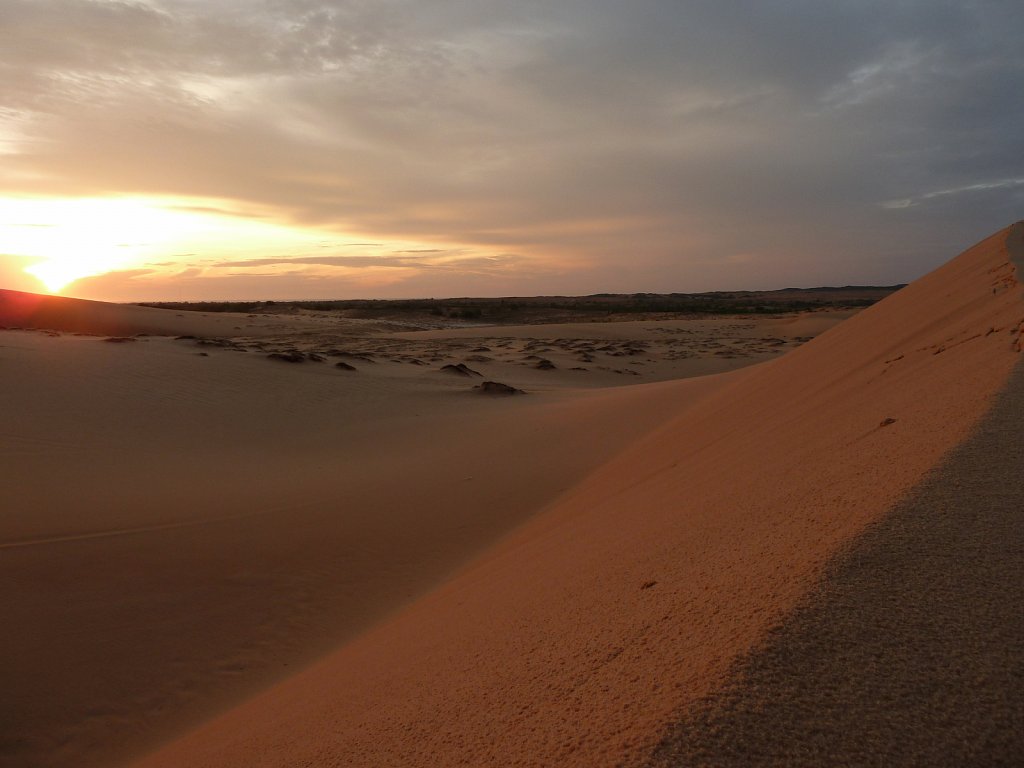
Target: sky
{"points": [[276, 149]]}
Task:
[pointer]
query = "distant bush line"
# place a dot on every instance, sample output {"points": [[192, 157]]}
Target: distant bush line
{"points": [[588, 307]]}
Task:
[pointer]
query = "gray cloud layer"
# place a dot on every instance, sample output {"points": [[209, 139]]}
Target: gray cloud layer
{"points": [[651, 145]]}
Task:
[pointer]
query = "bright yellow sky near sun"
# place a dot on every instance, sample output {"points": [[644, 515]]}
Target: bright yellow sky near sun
{"points": [[69, 239]]}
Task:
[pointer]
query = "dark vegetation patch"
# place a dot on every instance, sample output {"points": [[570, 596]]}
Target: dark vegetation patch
{"points": [[547, 309]]}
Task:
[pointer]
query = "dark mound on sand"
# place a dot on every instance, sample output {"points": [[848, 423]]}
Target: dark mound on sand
{"points": [[497, 388], [290, 356], [460, 369]]}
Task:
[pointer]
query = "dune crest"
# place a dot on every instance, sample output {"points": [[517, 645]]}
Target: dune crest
{"points": [[574, 640], [60, 313]]}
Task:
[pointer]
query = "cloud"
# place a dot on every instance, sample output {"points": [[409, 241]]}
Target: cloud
{"points": [[637, 146], [427, 260], [303, 278], [997, 186]]}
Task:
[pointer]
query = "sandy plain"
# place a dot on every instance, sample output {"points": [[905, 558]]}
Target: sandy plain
{"points": [[186, 520], [305, 565]]}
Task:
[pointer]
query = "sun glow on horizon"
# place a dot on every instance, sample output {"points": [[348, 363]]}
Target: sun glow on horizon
{"points": [[56, 274], [76, 238], [139, 248], [71, 239]]}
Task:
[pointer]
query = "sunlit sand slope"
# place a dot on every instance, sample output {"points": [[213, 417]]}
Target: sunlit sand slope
{"points": [[574, 641], [179, 530], [910, 651]]}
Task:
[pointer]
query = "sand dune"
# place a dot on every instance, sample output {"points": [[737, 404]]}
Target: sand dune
{"points": [[58, 313], [187, 521], [909, 652], [179, 530], [545, 579], [577, 639]]}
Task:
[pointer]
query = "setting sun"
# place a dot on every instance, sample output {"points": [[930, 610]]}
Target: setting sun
{"points": [[69, 239], [72, 239], [58, 272], [131, 248]]}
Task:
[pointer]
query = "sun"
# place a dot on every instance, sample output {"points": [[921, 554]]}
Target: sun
{"points": [[57, 274], [71, 239], [67, 239], [148, 245]]}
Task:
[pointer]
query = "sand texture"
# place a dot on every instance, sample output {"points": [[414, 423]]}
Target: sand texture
{"points": [[300, 539], [579, 637], [911, 652], [186, 528], [539, 356], [189, 520]]}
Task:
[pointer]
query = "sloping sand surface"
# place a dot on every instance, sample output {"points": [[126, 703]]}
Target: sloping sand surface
{"points": [[58, 313], [180, 530], [575, 640], [911, 652]]}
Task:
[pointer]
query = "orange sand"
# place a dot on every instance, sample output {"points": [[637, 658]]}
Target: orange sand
{"points": [[186, 523], [180, 531], [575, 639]]}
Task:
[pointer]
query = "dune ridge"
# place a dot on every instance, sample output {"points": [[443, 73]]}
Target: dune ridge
{"points": [[233, 518], [60, 313], [575, 640], [181, 531]]}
